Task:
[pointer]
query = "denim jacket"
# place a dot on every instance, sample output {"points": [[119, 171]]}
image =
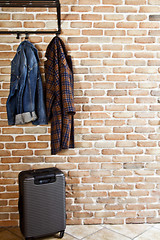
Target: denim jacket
{"points": [[25, 102]]}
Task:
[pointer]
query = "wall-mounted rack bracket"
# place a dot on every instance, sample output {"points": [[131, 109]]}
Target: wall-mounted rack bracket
{"points": [[37, 4]]}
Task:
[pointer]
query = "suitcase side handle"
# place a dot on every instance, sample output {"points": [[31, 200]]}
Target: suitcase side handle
{"points": [[44, 179]]}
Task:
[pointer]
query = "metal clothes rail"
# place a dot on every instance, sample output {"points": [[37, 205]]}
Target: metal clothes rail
{"points": [[37, 4]]}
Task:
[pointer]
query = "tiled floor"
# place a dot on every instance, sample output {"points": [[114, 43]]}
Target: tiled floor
{"points": [[96, 232]]}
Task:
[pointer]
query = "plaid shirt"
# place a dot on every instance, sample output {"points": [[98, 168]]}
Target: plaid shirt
{"points": [[59, 95]]}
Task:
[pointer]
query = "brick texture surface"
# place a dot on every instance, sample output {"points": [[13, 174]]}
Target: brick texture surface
{"points": [[113, 174]]}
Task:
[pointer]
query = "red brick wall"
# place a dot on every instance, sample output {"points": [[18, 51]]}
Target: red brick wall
{"points": [[113, 174]]}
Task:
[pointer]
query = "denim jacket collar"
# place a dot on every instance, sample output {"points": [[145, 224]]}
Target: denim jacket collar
{"points": [[25, 44]]}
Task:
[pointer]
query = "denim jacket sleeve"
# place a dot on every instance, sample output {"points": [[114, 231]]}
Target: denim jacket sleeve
{"points": [[17, 78]]}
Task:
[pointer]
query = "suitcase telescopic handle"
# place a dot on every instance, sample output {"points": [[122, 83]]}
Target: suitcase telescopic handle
{"points": [[44, 179]]}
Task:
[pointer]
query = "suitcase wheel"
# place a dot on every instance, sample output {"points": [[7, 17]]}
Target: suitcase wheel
{"points": [[61, 234]]}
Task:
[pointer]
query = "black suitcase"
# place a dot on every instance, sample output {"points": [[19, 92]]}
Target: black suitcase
{"points": [[42, 202]]}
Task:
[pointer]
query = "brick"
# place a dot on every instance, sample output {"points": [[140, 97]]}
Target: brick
{"points": [[88, 2], [118, 194], [77, 40], [145, 40], [89, 152], [78, 173], [154, 2], [126, 9], [37, 130], [135, 62], [111, 152], [103, 85], [153, 220], [110, 166], [128, 70], [152, 47], [90, 32], [115, 108], [133, 151], [136, 108], [34, 24], [99, 115], [80, 8], [113, 62], [152, 151], [22, 16], [113, 2], [100, 130], [99, 55], [15, 145], [133, 47], [126, 25], [154, 32], [91, 17], [116, 92], [101, 100], [124, 85], [81, 24], [90, 62], [82, 214], [90, 47], [45, 16], [136, 32], [22, 152], [6, 138], [123, 186], [113, 17], [113, 221], [122, 115], [122, 129], [122, 158], [144, 55], [114, 122], [122, 40], [154, 17], [101, 173], [124, 100], [144, 129], [114, 137], [149, 25], [154, 136], [135, 220], [136, 137], [112, 47], [104, 25], [136, 17], [100, 70], [133, 165], [8, 24], [136, 2], [38, 145], [133, 179], [70, 32], [100, 159], [144, 115], [114, 32], [10, 160], [146, 70], [103, 9], [145, 100]]}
